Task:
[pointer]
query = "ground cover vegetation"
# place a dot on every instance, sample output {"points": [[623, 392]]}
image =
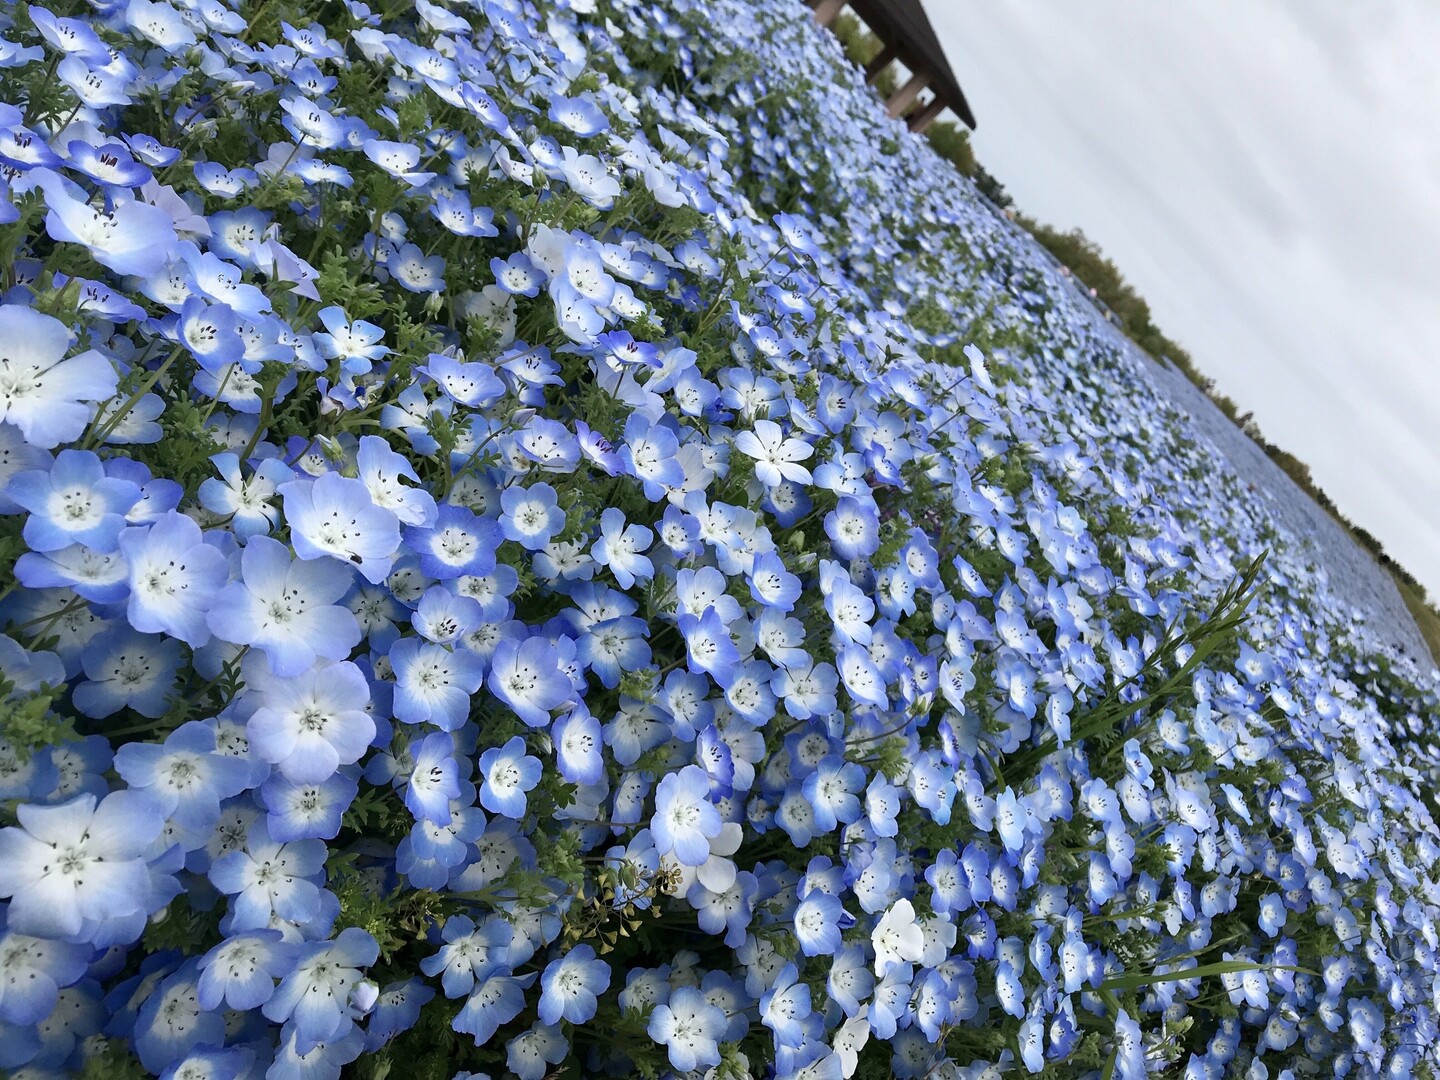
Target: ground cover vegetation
{"points": [[557, 541], [1093, 269]]}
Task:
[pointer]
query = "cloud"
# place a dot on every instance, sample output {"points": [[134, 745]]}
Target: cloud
{"points": [[1266, 176]]}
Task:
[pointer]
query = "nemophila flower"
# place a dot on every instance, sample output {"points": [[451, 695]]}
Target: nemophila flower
{"points": [[530, 1054], [650, 454], [267, 878], [621, 546], [335, 516], [819, 920], [398, 159], [356, 344], [41, 391], [33, 971], [413, 270], [124, 669], [315, 992], [570, 986], [73, 502], [708, 645], [471, 953], [849, 607], [530, 515], [493, 1003], [434, 779], [212, 333], [685, 820], [690, 1028], [579, 750], [310, 724], [128, 238], [458, 543], [174, 577], [301, 811], [527, 677], [853, 528], [508, 773], [433, 683], [247, 501], [785, 1007], [240, 973], [613, 647], [472, 384], [69, 869], [772, 584], [397, 1009], [287, 608], [381, 470], [897, 938], [444, 618], [185, 777], [776, 456]]}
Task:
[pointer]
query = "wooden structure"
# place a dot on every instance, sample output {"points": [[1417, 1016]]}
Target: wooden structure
{"points": [[906, 35]]}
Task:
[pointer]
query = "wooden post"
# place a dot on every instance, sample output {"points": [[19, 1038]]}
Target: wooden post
{"points": [[883, 60], [926, 116], [826, 11], [906, 95]]}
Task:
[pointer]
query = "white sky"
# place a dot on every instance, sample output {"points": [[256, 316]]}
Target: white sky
{"points": [[1266, 173]]}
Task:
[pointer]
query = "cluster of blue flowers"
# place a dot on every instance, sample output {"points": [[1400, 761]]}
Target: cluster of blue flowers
{"points": [[553, 539]]}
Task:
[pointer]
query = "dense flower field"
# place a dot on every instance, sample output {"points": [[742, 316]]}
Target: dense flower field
{"points": [[552, 539]]}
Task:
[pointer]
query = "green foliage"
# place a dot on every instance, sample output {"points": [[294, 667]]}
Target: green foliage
{"points": [[27, 723], [952, 142]]}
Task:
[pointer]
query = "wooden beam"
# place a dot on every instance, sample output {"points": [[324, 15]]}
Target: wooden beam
{"points": [[903, 98], [926, 116], [827, 11], [876, 67]]}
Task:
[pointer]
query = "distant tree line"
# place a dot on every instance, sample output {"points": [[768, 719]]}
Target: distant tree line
{"points": [[1090, 266]]}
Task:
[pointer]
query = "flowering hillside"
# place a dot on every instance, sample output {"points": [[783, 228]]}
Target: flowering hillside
{"points": [[551, 539]]}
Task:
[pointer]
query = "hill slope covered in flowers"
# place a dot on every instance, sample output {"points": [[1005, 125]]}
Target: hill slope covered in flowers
{"points": [[554, 540]]}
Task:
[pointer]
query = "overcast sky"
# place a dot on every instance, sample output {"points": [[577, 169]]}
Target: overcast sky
{"points": [[1267, 174]]}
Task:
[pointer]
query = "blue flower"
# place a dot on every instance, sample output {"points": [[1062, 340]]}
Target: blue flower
{"points": [[689, 1028], [819, 919], [397, 1009], [685, 821], [174, 577], [36, 970], [124, 669], [651, 454], [128, 238], [471, 954], [570, 986], [242, 970], [433, 683], [457, 543], [287, 608], [268, 878], [45, 390], [526, 676], [708, 646], [315, 992], [73, 502], [69, 869], [311, 724], [509, 773], [785, 1008], [185, 777], [334, 516], [853, 528], [620, 547], [493, 1003], [530, 515], [299, 811]]}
